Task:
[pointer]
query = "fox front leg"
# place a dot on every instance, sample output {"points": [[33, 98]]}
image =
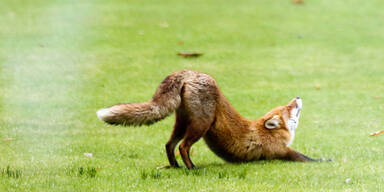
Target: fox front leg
{"points": [[293, 155]]}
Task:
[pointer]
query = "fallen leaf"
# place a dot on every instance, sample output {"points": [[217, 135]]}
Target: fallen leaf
{"points": [[376, 133], [318, 88], [164, 167], [348, 180], [164, 25], [88, 154], [298, 1], [8, 139], [189, 54], [180, 42], [345, 160]]}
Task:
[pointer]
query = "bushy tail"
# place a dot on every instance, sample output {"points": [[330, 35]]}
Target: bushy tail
{"points": [[166, 100]]}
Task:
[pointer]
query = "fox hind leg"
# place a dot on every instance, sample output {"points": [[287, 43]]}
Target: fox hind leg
{"points": [[177, 134], [194, 132], [199, 101]]}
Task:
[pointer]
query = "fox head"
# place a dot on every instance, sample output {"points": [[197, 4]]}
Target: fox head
{"points": [[283, 120]]}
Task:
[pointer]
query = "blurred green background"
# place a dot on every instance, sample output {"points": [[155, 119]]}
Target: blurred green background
{"points": [[60, 61]]}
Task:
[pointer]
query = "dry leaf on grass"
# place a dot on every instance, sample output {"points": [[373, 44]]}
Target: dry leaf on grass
{"points": [[164, 25], [376, 133], [8, 139], [164, 167], [88, 154], [298, 1], [189, 54]]}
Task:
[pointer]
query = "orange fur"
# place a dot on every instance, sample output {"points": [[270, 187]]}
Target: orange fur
{"points": [[202, 111]]}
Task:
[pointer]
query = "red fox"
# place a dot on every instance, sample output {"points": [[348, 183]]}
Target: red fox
{"points": [[202, 111]]}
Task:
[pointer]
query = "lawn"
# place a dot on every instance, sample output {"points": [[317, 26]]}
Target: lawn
{"points": [[60, 61]]}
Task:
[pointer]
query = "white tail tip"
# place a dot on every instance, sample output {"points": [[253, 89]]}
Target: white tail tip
{"points": [[104, 113]]}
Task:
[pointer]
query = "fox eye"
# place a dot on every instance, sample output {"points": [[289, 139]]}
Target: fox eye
{"points": [[272, 123]]}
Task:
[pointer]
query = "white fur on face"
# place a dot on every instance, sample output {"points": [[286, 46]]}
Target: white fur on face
{"points": [[293, 120]]}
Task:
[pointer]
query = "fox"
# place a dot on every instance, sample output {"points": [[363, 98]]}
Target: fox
{"points": [[202, 111]]}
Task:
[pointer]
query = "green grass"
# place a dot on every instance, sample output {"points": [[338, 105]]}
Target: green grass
{"points": [[62, 60]]}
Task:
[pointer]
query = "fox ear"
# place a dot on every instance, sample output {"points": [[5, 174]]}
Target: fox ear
{"points": [[272, 123]]}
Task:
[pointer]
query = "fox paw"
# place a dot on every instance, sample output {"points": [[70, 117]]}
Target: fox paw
{"points": [[325, 160]]}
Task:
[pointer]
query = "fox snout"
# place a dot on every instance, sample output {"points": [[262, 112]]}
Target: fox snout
{"points": [[295, 105], [295, 109]]}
